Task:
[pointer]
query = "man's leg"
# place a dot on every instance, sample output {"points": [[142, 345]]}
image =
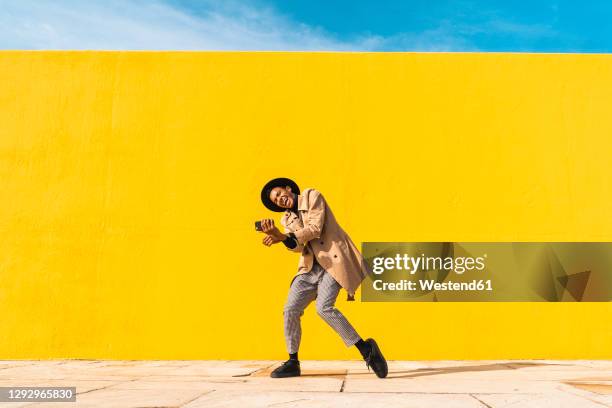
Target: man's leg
{"points": [[327, 293], [303, 291], [326, 298]]}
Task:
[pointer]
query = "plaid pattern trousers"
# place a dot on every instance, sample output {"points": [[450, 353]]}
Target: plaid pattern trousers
{"points": [[320, 285]]}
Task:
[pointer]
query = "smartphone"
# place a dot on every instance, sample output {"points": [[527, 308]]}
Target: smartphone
{"points": [[257, 225]]}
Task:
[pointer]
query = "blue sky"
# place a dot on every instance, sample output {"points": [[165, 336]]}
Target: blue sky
{"points": [[307, 25]]}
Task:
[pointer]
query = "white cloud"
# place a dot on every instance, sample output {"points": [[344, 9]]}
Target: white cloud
{"points": [[220, 25], [145, 25]]}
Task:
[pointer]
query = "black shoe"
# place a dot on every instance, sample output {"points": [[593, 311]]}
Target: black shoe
{"points": [[290, 368], [376, 360]]}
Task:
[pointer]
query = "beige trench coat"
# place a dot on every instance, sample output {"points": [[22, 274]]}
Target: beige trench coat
{"points": [[319, 236]]}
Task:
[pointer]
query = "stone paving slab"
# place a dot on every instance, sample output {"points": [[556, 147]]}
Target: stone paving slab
{"points": [[232, 399], [82, 385], [548, 400], [129, 398], [221, 368], [459, 386], [245, 384], [202, 386], [301, 384]]}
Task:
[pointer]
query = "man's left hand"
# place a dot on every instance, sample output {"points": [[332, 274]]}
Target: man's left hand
{"points": [[269, 240]]}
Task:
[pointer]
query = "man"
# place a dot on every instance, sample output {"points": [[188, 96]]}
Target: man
{"points": [[329, 261]]}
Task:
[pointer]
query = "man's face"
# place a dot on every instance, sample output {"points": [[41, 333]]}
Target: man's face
{"points": [[282, 196]]}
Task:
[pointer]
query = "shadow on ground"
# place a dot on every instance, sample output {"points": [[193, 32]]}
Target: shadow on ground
{"points": [[419, 372]]}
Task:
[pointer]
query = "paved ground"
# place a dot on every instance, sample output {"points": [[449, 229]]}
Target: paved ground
{"points": [[243, 384]]}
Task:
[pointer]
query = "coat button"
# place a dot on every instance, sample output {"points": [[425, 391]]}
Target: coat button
{"points": [[335, 256], [321, 242]]}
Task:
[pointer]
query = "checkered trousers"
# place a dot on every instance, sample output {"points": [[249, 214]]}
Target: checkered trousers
{"points": [[320, 285]]}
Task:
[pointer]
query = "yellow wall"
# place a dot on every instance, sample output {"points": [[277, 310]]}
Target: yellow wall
{"points": [[130, 183]]}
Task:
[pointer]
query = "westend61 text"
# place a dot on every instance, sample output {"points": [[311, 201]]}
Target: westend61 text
{"points": [[430, 284]]}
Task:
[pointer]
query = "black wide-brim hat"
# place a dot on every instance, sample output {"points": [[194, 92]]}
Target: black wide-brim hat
{"points": [[277, 182]]}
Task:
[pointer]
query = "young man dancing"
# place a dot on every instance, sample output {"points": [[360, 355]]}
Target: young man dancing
{"points": [[329, 261]]}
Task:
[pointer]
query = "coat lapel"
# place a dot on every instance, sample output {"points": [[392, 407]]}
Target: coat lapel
{"points": [[295, 222]]}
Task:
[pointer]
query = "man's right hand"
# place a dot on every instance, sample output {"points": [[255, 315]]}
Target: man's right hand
{"points": [[267, 225], [268, 228]]}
